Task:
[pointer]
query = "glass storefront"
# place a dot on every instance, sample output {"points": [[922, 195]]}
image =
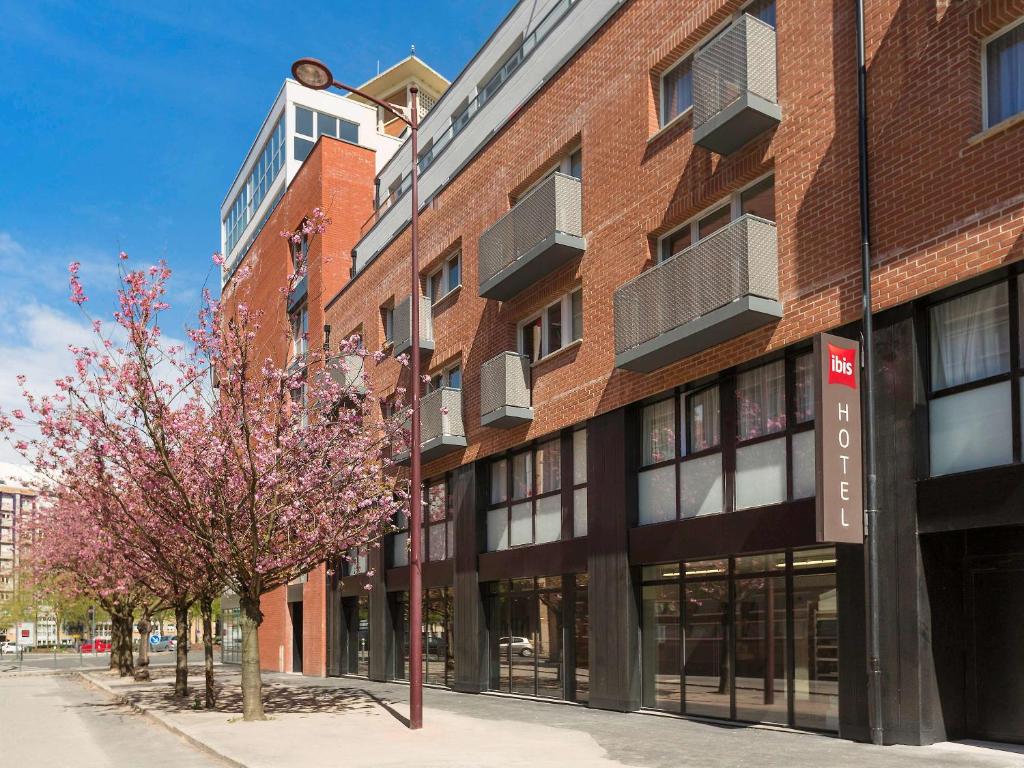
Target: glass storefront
{"points": [[355, 659], [532, 640], [438, 633], [717, 637]]}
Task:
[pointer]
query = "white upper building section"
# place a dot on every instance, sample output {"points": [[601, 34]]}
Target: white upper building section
{"points": [[298, 117], [527, 48]]}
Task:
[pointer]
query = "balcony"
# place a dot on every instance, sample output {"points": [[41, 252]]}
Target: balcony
{"points": [[542, 232], [347, 373], [403, 328], [735, 95], [721, 287], [441, 427], [505, 391]]}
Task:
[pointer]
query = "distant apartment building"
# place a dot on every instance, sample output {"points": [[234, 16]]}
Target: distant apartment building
{"points": [[635, 217], [19, 510]]}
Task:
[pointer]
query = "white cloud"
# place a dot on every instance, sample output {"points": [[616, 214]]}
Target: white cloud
{"points": [[9, 246], [34, 341]]}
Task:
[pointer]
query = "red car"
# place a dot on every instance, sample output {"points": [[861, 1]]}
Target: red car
{"points": [[102, 646]]}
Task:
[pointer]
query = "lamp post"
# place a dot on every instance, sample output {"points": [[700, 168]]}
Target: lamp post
{"points": [[314, 74]]}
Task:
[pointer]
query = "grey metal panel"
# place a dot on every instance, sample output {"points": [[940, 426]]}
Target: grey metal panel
{"points": [[505, 390], [743, 315], [441, 426], [298, 293], [347, 372], [295, 593], [655, 309], [540, 233], [402, 323], [735, 93]]}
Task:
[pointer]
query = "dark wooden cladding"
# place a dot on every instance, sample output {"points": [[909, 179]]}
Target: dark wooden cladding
{"points": [[468, 501], [752, 530], [980, 499], [613, 587], [353, 586], [439, 573], [552, 559], [380, 620]]}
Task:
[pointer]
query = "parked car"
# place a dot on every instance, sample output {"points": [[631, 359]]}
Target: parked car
{"points": [[162, 644], [8, 647], [172, 643], [102, 646], [519, 645]]}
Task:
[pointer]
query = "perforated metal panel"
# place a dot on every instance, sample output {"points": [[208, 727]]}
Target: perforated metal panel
{"points": [[347, 370], [403, 324], [504, 381], [553, 206], [738, 260], [441, 414], [740, 60]]}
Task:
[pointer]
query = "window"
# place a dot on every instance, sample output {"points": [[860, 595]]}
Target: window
{"points": [[299, 320], [460, 119], [763, 10], [387, 319], [971, 381], [677, 90], [252, 194], [450, 377], [683, 446], [445, 278], [326, 125], [1003, 75], [757, 199], [529, 490], [558, 326]]}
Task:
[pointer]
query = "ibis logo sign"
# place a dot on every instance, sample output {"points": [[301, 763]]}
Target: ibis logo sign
{"points": [[838, 467]]}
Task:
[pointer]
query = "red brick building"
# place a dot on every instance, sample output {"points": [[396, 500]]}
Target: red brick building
{"points": [[636, 215]]}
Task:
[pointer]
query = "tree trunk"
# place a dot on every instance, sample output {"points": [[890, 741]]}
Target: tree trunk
{"points": [[142, 671], [121, 657], [252, 684], [181, 651], [206, 607]]}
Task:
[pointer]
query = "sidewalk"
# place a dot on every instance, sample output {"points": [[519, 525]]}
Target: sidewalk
{"points": [[358, 723]]}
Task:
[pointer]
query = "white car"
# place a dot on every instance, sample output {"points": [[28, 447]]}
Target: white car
{"points": [[519, 645], [8, 647]]}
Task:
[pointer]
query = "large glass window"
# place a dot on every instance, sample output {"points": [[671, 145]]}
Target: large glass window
{"points": [[252, 194], [971, 404], [437, 631], [683, 446], [529, 490], [1004, 75], [529, 645], [715, 638], [326, 125]]}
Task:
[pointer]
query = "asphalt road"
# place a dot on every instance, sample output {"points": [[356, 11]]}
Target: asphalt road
{"points": [[58, 721], [73, 661]]}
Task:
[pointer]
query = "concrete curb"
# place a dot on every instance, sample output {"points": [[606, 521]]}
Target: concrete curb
{"points": [[154, 717]]}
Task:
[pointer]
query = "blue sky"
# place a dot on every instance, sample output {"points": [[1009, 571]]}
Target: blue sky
{"points": [[121, 126]]}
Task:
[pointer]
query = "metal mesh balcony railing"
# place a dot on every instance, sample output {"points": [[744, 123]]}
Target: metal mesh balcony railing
{"points": [[403, 326], [504, 383], [347, 372], [441, 415], [554, 207], [740, 60], [738, 260]]}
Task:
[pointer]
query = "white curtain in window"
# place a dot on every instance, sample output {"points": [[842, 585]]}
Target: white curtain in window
{"points": [[804, 405], [579, 512], [971, 429], [549, 466], [522, 525], [499, 481], [659, 432], [549, 519], [1005, 75], [761, 400], [970, 337], [579, 456], [657, 495], [703, 413], [497, 529]]}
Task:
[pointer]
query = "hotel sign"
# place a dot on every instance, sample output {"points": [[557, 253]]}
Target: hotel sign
{"points": [[837, 454]]}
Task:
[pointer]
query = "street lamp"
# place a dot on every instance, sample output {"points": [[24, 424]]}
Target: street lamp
{"points": [[314, 74]]}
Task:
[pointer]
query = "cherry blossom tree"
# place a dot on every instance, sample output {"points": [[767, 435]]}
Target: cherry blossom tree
{"points": [[188, 488]]}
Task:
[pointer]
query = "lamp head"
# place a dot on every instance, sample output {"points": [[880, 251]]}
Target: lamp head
{"points": [[312, 73]]}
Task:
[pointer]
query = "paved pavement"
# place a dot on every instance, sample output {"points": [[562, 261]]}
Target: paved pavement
{"points": [[55, 721], [358, 723]]}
